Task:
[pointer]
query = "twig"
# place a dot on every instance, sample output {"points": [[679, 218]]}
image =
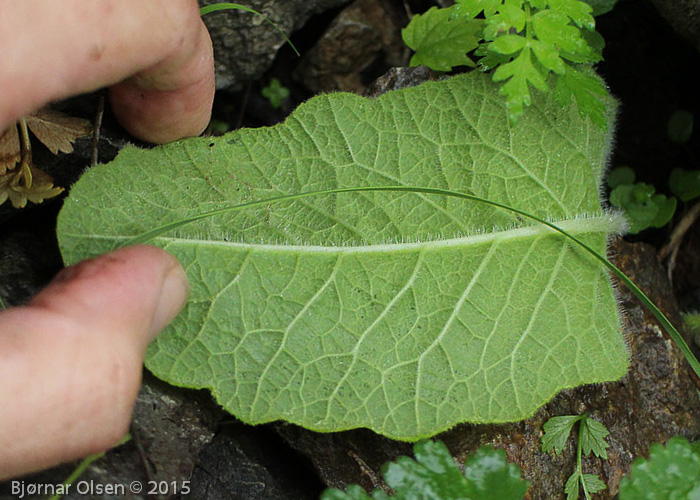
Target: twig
{"points": [[97, 125], [670, 250]]}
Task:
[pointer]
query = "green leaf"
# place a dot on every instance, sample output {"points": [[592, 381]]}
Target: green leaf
{"points": [[571, 488], [405, 313], [592, 437], [578, 11], [556, 432], [643, 208], [671, 473], [592, 483], [492, 477], [520, 73], [275, 92], [510, 18], [441, 40], [619, 176], [435, 475], [588, 91], [508, 44], [552, 27], [680, 126], [685, 183], [548, 56], [472, 8], [353, 492], [601, 6]]}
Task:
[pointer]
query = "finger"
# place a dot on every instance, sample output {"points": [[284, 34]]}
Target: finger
{"points": [[70, 361], [52, 50]]}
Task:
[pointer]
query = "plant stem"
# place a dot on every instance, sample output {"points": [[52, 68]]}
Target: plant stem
{"points": [[579, 454]]}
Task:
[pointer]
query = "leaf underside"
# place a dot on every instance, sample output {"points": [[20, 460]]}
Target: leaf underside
{"points": [[404, 313]]}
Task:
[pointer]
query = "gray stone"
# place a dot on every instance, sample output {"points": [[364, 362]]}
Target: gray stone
{"points": [[361, 43], [684, 16], [245, 44]]}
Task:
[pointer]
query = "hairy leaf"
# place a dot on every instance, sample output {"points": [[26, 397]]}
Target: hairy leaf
{"points": [[402, 312], [441, 40], [672, 472], [587, 90]]}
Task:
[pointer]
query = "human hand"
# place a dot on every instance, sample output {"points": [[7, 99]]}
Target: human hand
{"points": [[70, 360]]}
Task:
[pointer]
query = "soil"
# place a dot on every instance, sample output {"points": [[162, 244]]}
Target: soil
{"points": [[180, 435]]}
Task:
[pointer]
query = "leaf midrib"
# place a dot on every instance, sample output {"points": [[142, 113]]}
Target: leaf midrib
{"points": [[581, 224]]}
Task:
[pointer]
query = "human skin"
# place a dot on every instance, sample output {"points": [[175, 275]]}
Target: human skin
{"points": [[70, 359]]}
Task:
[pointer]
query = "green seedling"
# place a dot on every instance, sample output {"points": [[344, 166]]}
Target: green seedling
{"points": [[685, 184], [680, 126], [275, 92], [591, 439], [643, 207]]}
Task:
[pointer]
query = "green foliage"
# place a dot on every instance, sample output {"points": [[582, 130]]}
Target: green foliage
{"points": [[685, 184], [671, 473], [601, 6], [680, 126], [402, 312], [620, 176], [525, 41], [643, 207], [591, 439], [440, 40], [435, 475], [275, 92]]}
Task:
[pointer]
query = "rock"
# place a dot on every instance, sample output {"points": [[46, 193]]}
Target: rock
{"points": [[245, 44], [170, 427], [684, 16], [251, 464], [399, 78], [361, 43], [654, 401]]}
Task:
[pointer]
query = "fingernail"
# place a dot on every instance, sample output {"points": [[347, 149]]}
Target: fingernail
{"points": [[173, 295]]}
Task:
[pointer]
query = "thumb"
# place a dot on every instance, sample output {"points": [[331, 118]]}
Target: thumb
{"points": [[70, 360]]}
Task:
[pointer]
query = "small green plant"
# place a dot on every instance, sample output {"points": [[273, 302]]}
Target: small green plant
{"points": [[275, 92], [525, 42], [643, 207], [435, 475], [680, 126], [591, 438], [672, 472], [685, 184]]}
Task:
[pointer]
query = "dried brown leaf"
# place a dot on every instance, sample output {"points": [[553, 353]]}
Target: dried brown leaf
{"points": [[56, 130], [9, 149], [27, 183]]}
